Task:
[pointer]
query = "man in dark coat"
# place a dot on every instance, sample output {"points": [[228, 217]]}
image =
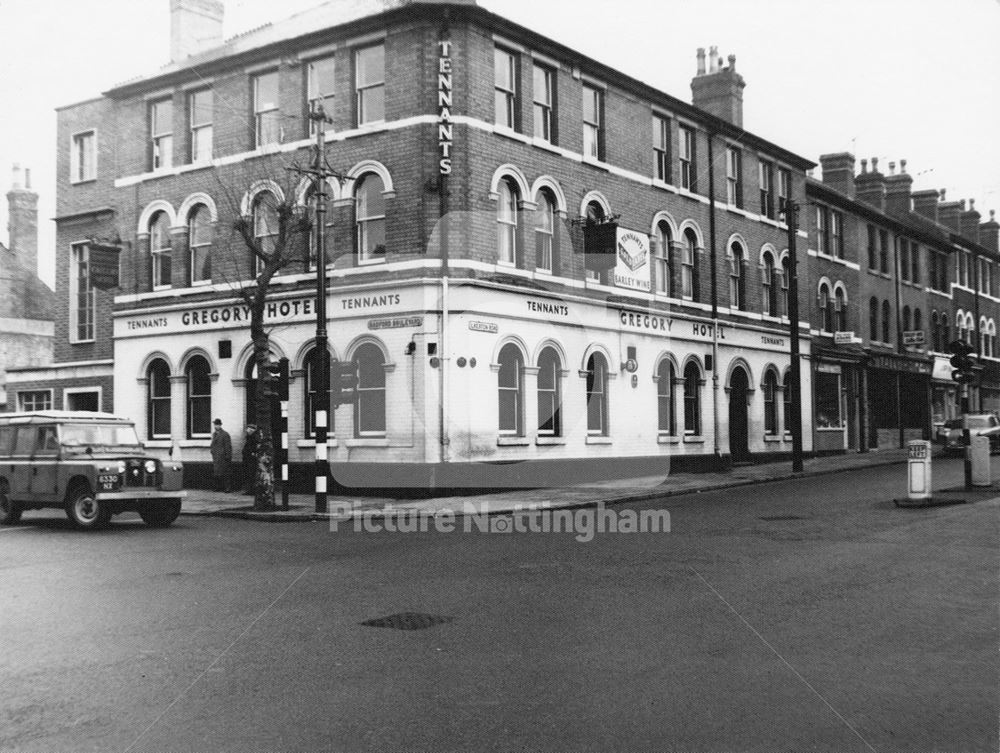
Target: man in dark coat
{"points": [[222, 457], [250, 444]]}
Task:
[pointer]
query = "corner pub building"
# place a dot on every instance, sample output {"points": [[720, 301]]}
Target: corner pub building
{"points": [[491, 351]]}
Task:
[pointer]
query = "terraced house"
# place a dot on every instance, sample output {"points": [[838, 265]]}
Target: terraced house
{"points": [[476, 160]]}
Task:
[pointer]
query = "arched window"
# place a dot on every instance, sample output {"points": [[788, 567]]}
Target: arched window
{"points": [[545, 228], [787, 417], [663, 260], [906, 318], [667, 421], [873, 319], [737, 278], [689, 266], [770, 402], [200, 244], [369, 409], [158, 400], [595, 215], [770, 289], [597, 395], [944, 332], [369, 211], [692, 399], [511, 391], [199, 397], [840, 305], [311, 368], [825, 308], [886, 322], [918, 320], [784, 286], [507, 222], [935, 340], [970, 329], [160, 249], [265, 225], [549, 393]]}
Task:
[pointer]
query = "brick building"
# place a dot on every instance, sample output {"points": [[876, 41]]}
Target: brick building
{"points": [[492, 350], [26, 303]]}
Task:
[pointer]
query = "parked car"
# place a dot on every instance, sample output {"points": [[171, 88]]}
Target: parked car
{"points": [[92, 465], [950, 434]]}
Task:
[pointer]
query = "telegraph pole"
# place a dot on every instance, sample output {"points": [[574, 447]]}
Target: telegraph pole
{"points": [[791, 218]]}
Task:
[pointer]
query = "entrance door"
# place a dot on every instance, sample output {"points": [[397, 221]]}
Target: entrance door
{"points": [[739, 386]]}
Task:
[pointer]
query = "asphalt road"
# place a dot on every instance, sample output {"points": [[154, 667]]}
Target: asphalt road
{"points": [[800, 615]]}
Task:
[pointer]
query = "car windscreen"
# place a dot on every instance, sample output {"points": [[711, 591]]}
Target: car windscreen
{"points": [[975, 422], [79, 437]]}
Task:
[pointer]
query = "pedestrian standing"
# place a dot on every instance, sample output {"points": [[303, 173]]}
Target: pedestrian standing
{"points": [[251, 444], [222, 457]]}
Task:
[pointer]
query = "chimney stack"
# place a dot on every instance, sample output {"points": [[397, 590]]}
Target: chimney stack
{"points": [[838, 172], [870, 186], [195, 26], [720, 91], [950, 213], [925, 203], [897, 189], [22, 221], [989, 233], [969, 222]]}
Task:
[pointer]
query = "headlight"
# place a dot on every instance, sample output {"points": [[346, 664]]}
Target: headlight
{"points": [[150, 466], [121, 466]]}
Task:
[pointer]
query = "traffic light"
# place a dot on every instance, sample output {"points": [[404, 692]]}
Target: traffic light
{"points": [[962, 361], [343, 382]]}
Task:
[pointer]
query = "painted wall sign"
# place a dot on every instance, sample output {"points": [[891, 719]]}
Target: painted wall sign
{"points": [[371, 301], [445, 89], [489, 327], [632, 268], [547, 307], [665, 324], [398, 323], [776, 341], [142, 324], [899, 364], [843, 338], [241, 313]]}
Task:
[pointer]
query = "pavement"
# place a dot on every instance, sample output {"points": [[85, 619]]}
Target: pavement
{"points": [[301, 507]]}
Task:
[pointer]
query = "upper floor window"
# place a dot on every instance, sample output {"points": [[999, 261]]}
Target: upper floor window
{"points": [[886, 322], [872, 248], [737, 277], [935, 332], [904, 259], [369, 408], [597, 395], [689, 178], [200, 243], [826, 307], [545, 103], [33, 400], [840, 309], [265, 227], [320, 87], [883, 252], [784, 191], [199, 397], [914, 263], [766, 176], [83, 157], [689, 267], [549, 393], [836, 234], [505, 88], [160, 249], [785, 272], [593, 137], [734, 176], [369, 65], [661, 149], [770, 289], [595, 215], [663, 266], [507, 210], [370, 212], [545, 223], [906, 319], [873, 319], [985, 275], [161, 131], [822, 230], [267, 115], [200, 106], [511, 391], [82, 297]]}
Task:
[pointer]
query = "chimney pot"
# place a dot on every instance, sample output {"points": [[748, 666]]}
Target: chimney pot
{"points": [[942, 192], [972, 205], [27, 178], [713, 53], [902, 167], [892, 168], [864, 166], [16, 176], [701, 61], [992, 214], [732, 63], [874, 164]]}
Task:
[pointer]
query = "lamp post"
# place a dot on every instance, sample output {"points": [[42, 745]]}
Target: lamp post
{"points": [[791, 218]]}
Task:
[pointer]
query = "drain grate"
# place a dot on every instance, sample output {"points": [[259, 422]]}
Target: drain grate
{"points": [[407, 621], [780, 518]]}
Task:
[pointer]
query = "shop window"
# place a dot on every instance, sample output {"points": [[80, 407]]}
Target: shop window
{"points": [[158, 400], [549, 394], [665, 394], [787, 415], [511, 391], [692, 399], [369, 408], [597, 395], [199, 398], [827, 400]]}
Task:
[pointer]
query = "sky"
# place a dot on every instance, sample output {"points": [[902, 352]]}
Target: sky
{"points": [[895, 79]]}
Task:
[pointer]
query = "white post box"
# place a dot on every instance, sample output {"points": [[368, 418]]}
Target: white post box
{"points": [[919, 468], [981, 461]]}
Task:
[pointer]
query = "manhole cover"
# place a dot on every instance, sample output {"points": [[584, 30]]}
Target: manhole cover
{"points": [[778, 518], [407, 621]]}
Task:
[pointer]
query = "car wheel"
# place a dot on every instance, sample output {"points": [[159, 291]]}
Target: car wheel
{"points": [[10, 512], [161, 515], [85, 511]]}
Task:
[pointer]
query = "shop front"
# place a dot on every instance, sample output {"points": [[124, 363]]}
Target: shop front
{"points": [[837, 408], [898, 399]]}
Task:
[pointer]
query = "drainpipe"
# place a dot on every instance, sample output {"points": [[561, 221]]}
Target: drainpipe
{"points": [[715, 297]]}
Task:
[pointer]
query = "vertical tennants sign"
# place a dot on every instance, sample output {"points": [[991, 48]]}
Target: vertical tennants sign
{"points": [[445, 89]]}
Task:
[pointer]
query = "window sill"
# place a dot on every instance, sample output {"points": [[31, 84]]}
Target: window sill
{"points": [[668, 439], [196, 442], [830, 429], [596, 162], [550, 441], [693, 439], [772, 439], [158, 288], [158, 444], [598, 440], [82, 342], [546, 145], [200, 283], [83, 181], [308, 444], [367, 442], [512, 442]]}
